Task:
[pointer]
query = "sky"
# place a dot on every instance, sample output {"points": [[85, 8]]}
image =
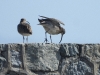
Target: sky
{"points": [[81, 19]]}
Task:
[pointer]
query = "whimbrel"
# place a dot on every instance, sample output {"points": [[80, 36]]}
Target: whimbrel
{"points": [[52, 26], [24, 29]]}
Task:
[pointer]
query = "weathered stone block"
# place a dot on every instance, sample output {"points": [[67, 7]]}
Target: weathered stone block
{"points": [[68, 50], [3, 58], [3, 47], [42, 57], [12, 72], [49, 59], [15, 60], [15, 56], [92, 51], [75, 67]]}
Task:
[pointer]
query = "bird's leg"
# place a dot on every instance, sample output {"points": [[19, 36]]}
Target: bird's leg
{"points": [[46, 37], [23, 39], [27, 39], [50, 38], [61, 38]]}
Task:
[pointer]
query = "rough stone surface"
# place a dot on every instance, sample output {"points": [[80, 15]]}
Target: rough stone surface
{"points": [[68, 50], [3, 47], [12, 72], [78, 68], [49, 59], [15, 51], [91, 51], [42, 57]]}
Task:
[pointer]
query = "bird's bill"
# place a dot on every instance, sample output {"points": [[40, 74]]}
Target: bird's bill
{"points": [[27, 22], [61, 38]]}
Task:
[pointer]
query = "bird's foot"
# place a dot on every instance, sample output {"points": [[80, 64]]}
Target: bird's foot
{"points": [[46, 40]]}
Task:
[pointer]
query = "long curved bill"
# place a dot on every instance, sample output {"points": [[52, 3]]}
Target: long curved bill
{"points": [[61, 38], [27, 22]]}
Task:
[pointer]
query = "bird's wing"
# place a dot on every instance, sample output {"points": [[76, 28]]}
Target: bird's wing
{"points": [[25, 28], [43, 16], [28, 27], [54, 20], [58, 21]]}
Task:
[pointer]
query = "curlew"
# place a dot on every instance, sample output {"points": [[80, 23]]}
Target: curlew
{"points": [[52, 26], [24, 29]]}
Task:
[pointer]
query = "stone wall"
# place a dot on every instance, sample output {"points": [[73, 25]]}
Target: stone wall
{"points": [[49, 59]]}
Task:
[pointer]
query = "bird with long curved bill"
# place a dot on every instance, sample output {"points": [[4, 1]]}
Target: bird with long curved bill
{"points": [[52, 26], [24, 29]]}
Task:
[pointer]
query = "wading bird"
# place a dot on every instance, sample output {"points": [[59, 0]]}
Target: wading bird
{"points": [[51, 26], [24, 29]]}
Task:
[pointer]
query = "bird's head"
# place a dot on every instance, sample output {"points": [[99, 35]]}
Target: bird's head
{"points": [[63, 31], [23, 20]]}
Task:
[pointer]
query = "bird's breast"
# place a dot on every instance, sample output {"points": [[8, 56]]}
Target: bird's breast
{"points": [[25, 34], [53, 30]]}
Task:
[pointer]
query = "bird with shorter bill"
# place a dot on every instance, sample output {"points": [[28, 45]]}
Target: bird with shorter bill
{"points": [[52, 26], [24, 29]]}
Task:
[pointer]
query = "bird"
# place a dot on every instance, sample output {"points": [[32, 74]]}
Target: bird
{"points": [[51, 26], [24, 29]]}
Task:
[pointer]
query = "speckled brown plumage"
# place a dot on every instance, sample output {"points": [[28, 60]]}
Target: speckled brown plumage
{"points": [[52, 26], [24, 28]]}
